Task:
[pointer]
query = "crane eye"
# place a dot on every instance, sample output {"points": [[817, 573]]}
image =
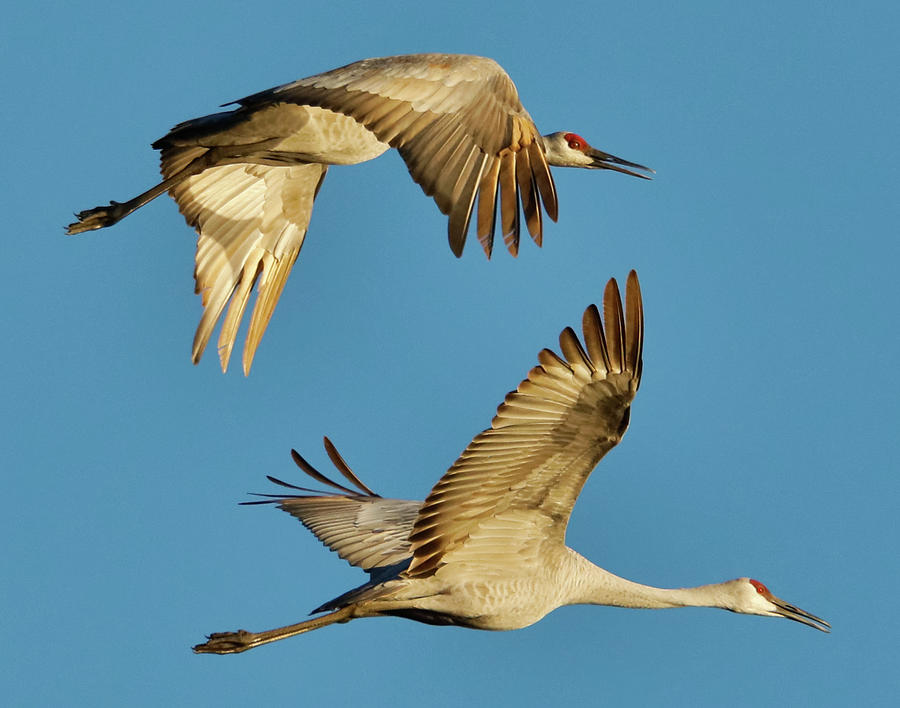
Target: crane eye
{"points": [[760, 588], [576, 142]]}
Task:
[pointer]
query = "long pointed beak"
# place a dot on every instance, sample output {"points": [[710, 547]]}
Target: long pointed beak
{"points": [[605, 161], [798, 615]]}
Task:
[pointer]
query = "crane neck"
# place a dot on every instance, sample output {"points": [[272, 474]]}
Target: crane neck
{"points": [[595, 586], [553, 150]]}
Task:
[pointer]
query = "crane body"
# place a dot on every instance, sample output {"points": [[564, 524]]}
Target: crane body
{"points": [[486, 549]]}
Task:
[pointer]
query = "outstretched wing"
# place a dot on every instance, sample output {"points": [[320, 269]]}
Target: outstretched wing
{"points": [[251, 220], [363, 528], [520, 478], [458, 123]]}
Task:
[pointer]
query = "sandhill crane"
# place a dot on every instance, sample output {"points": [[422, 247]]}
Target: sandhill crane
{"points": [[246, 179], [486, 549]]}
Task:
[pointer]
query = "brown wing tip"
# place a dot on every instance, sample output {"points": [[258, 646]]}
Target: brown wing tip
{"points": [[611, 292], [615, 339], [338, 461], [572, 349], [301, 462], [512, 242], [457, 242], [625, 326], [246, 360], [632, 281], [552, 210], [634, 327]]}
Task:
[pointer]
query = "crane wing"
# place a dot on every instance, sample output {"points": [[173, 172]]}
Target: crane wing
{"points": [[458, 123], [520, 477], [363, 528], [251, 220]]}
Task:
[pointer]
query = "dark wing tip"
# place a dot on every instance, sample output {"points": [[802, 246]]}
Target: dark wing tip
{"points": [[457, 241], [301, 462], [634, 328], [344, 468]]}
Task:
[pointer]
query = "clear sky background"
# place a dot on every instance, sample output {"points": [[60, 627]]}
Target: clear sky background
{"points": [[763, 440]]}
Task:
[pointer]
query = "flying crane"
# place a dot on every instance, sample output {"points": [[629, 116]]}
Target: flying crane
{"points": [[486, 549], [246, 179]]}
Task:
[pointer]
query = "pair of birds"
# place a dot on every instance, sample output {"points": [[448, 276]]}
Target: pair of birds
{"points": [[486, 549]]}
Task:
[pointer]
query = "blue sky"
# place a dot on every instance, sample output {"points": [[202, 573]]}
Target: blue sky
{"points": [[763, 440]]}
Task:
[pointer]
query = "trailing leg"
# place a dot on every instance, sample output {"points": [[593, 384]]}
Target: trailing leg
{"points": [[236, 642], [102, 216]]}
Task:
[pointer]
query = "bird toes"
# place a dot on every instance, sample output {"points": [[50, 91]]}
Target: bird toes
{"points": [[225, 643], [96, 218]]}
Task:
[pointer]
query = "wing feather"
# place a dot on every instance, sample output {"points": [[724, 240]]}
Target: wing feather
{"points": [[530, 465], [344, 468], [252, 221], [363, 528], [529, 195], [415, 103], [487, 204], [615, 327], [594, 337], [509, 201]]}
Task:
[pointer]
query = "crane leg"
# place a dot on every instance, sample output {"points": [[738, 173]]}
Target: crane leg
{"points": [[102, 216], [242, 640]]}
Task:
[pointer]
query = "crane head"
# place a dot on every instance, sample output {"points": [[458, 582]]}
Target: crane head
{"points": [[751, 597], [571, 150]]}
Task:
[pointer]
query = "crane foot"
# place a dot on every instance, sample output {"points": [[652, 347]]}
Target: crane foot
{"points": [[226, 643], [97, 218]]}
